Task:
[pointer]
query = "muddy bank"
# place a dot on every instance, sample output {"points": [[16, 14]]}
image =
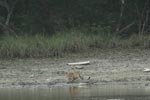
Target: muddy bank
{"points": [[106, 67]]}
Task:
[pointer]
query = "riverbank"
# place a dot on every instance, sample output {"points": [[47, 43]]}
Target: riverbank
{"points": [[107, 66]]}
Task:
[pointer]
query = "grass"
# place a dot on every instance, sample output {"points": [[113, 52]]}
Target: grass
{"points": [[65, 42]]}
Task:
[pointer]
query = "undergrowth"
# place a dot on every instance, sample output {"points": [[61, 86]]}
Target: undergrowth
{"points": [[65, 42]]}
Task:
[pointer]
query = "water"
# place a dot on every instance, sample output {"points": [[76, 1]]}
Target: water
{"points": [[76, 92]]}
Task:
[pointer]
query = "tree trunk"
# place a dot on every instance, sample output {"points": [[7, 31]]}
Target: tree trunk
{"points": [[8, 17], [120, 17]]}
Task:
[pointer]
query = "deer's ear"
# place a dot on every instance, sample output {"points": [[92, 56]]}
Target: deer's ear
{"points": [[89, 78]]}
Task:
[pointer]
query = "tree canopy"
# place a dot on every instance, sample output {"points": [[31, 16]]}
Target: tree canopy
{"points": [[51, 16]]}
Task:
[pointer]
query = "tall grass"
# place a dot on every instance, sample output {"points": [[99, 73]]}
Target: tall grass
{"points": [[65, 42]]}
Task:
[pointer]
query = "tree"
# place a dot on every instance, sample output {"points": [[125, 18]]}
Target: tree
{"points": [[9, 5]]}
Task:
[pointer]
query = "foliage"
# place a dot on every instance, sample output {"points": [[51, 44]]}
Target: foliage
{"points": [[43, 28], [51, 16], [63, 43]]}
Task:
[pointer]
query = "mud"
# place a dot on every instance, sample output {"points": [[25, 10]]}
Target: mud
{"points": [[106, 67]]}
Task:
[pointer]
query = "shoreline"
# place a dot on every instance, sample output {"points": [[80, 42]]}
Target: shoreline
{"points": [[125, 66]]}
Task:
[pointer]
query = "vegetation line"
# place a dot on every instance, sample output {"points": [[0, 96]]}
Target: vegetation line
{"points": [[60, 44]]}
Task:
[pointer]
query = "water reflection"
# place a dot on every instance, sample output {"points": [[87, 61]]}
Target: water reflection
{"points": [[74, 91], [96, 92]]}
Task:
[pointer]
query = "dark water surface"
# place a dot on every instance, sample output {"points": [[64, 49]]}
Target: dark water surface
{"points": [[76, 92]]}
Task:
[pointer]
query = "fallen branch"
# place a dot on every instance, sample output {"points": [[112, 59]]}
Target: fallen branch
{"points": [[80, 63], [126, 27], [146, 69]]}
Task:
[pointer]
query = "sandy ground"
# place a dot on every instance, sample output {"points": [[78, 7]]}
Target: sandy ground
{"points": [[107, 66]]}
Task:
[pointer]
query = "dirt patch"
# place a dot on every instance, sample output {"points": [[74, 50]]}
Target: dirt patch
{"points": [[106, 67]]}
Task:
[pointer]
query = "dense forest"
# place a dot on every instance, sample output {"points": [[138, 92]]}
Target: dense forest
{"points": [[51, 16], [27, 25]]}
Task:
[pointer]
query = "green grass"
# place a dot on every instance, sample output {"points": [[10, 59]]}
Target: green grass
{"points": [[65, 42]]}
